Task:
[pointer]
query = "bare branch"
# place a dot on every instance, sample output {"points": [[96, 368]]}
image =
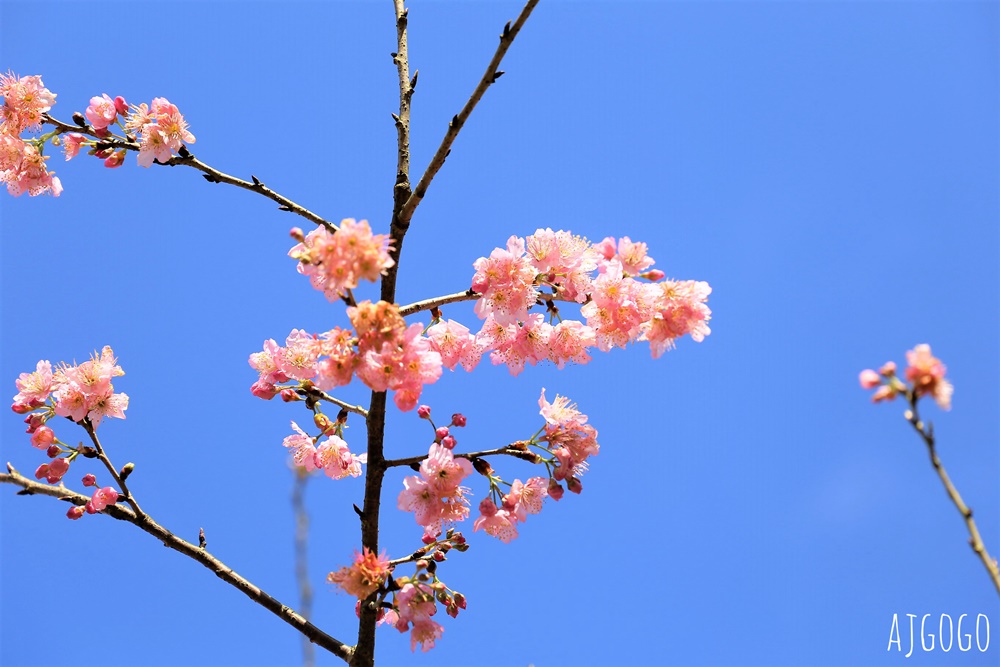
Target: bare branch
{"points": [[427, 304], [221, 570], [212, 175], [458, 121], [926, 432], [508, 450]]}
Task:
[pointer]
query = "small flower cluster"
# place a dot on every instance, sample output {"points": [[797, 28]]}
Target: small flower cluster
{"points": [[389, 355], [618, 308], [101, 499], [924, 372], [332, 456], [161, 130], [364, 576], [78, 392], [22, 164], [436, 496], [335, 262]]}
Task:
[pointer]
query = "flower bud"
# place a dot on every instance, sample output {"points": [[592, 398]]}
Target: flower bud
{"points": [[424, 411], [126, 470], [460, 600], [428, 539], [288, 395], [458, 419], [574, 485], [654, 275], [555, 489], [75, 512], [34, 420], [448, 441], [20, 408], [441, 432], [323, 423], [869, 379], [482, 467], [89, 480], [439, 557], [264, 390], [43, 437], [53, 451], [296, 233], [888, 369], [121, 106]]}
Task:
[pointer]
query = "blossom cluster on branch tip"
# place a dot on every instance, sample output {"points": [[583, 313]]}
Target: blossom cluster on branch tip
{"points": [[332, 456], [22, 164], [924, 372], [335, 262], [553, 266], [159, 129]]}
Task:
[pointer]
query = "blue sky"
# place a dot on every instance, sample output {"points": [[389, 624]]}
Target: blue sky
{"points": [[831, 168]]}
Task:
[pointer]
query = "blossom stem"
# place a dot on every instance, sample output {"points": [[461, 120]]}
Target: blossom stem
{"points": [[211, 174], [926, 432], [507, 450], [89, 427], [221, 570]]}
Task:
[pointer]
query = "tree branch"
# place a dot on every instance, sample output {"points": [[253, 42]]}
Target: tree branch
{"points": [[302, 558], [427, 304], [926, 432], [212, 175], [492, 73], [509, 450], [221, 570]]}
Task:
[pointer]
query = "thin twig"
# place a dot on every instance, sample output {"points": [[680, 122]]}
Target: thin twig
{"points": [[322, 395], [211, 174], [508, 450], [926, 432], [427, 304], [492, 73], [221, 570]]}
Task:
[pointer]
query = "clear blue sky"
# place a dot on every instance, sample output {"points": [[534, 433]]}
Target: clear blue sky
{"points": [[831, 168]]}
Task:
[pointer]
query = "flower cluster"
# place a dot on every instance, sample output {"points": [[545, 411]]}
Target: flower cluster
{"points": [[436, 497], [523, 499], [335, 262], [22, 164], [364, 576], [924, 372], [332, 456], [160, 128], [388, 355], [618, 308], [78, 392]]}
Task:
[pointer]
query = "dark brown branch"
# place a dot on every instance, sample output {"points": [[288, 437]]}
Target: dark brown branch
{"points": [[221, 570], [492, 73], [508, 450], [211, 174], [926, 432]]}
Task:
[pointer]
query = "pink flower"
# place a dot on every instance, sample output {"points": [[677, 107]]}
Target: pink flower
{"points": [[436, 497], [569, 341], [455, 345], [566, 262], [618, 307], [89, 480], [102, 498], [364, 576], [33, 389], [102, 112], [25, 100], [501, 524], [42, 437], [926, 373], [72, 143], [337, 368], [161, 128], [526, 498], [53, 471], [679, 309], [75, 512], [336, 460], [506, 281], [336, 262], [528, 344], [425, 633], [31, 176], [303, 449]]}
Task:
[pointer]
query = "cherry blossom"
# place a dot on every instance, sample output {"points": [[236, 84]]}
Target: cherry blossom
{"points": [[364, 576], [335, 262]]}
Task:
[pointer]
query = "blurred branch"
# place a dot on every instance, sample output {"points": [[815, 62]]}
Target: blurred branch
{"points": [[302, 559], [221, 570], [926, 432], [212, 175]]}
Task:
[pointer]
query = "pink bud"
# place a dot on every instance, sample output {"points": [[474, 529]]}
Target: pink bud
{"points": [[888, 369], [296, 233], [89, 480], [288, 395], [53, 451], [448, 441], [102, 132], [487, 507], [262, 389], [121, 106], [428, 538], [424, 411], [574, 485], [438, 556], [115, 160], [20, 408], [452, 610], [102, 498], [57, 469], [458, 419], [89, 507], [42, 471], [869, 379], [441, 432], [654, 274], [555, 489], [460, 600], [34, 420], [75, 512], [884, 393]]}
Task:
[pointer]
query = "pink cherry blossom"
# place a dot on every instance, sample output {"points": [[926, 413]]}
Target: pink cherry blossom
{"points": [[25, 100], [335, 262], [33, 389], [425, 632], [72, 143], [569, 341], [926, 373], [75, 512], [336, 460], [364, 576], [102, 498], [102, 111], [455, 345], [506, 281], [679, 309], [499, 523], [303, 449], [161, 131], [869, 379], [31, 175], [436, 497], [53, 471], [526, 498], [43, 437]]}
